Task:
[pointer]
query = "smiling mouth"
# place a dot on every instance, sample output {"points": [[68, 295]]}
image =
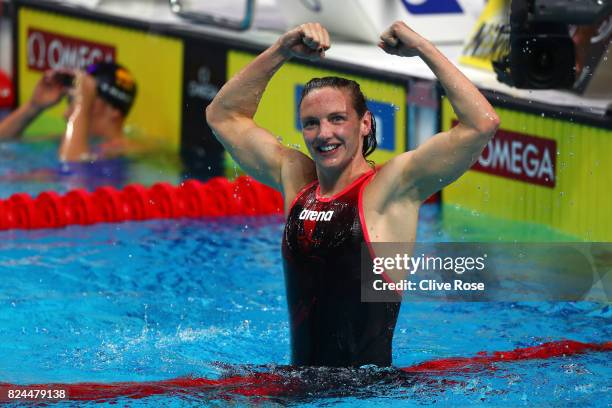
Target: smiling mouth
{"points": [[328, 148]]}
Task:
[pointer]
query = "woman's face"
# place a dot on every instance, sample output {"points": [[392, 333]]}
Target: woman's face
{"points": [[332, 130]]}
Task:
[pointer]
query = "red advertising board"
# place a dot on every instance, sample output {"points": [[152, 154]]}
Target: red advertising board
{"points": [[47, 50], [520, 157]]}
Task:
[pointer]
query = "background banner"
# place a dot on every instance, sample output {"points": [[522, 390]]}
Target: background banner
{"points": [[488, 41], [540, 169], [204, 73]]}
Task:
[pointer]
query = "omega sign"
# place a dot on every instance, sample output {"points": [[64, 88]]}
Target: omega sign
{"points": [[48, 50], [520, 157]]}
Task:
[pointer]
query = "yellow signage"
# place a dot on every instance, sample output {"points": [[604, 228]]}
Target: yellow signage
{"points": [[519, 177], [49, 40], [490, 39]]}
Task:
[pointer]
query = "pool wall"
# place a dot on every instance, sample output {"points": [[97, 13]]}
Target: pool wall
{"points": [[542, 167]]}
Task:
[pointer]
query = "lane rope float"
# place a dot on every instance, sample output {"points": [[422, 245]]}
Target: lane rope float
{"points": [[216, 197]]}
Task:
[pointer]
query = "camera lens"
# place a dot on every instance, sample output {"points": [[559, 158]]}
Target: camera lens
{"points": [[549, 63]]}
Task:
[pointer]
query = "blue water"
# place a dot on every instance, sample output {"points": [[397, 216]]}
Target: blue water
{"points": [[34, 168], [162, 299]]}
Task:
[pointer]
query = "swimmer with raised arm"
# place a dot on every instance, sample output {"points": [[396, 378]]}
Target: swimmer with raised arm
{"points": [[335, 200], [100, 98]]}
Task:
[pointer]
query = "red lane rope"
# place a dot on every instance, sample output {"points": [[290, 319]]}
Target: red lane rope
{"points": [[272, 384], [484, 360], [216, 197]]}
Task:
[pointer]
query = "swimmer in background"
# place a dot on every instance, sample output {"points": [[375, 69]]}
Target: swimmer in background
{"points": [[99, 99], [335, 199]]}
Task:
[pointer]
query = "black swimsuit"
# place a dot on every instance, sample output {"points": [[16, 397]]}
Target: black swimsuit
{"points": [[330, 325]]}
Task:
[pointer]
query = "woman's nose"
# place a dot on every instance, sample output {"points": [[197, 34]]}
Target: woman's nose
{"points": [[326, 129]]}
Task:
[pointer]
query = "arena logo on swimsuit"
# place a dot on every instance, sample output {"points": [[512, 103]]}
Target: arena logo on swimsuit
{"points": [[47, 50], [312, 215]]}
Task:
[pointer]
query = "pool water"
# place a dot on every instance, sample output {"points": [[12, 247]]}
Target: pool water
{"points": [[158, 300], [33, 168]]}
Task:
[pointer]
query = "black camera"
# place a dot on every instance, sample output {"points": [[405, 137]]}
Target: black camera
{"points": [[542, 53]]}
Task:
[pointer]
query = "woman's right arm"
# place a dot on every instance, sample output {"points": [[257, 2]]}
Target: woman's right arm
{"points": [[230, 115]]}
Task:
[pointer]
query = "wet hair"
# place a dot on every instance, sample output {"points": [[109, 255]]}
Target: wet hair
{"points": [[358, 99]]}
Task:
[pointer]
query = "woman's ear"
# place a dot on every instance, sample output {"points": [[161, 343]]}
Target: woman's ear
{"points": [[366, 123]]}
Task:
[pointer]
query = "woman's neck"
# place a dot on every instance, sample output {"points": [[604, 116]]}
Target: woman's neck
{"points": [[333, 181]]}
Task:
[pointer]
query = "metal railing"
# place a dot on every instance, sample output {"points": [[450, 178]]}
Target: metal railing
{"points": [[182, 9]]}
